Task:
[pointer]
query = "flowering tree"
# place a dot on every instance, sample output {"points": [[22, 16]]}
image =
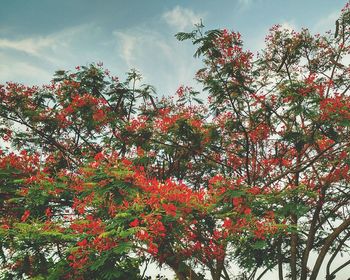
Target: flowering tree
{"points": [[102, 177]]}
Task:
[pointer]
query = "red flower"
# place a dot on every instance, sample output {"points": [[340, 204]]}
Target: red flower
{"points": [[48, 212], [25, 216], [134, 223], [99, 115], [99, 156], [227, 223], [170, 209], [152, 249], [5, 226], [143, 235], [247, 211], [237, 201], [82, 243]]}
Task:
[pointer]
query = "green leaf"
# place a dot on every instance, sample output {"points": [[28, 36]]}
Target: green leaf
{"points": [[345, 122], [99, 262], [128, 232], [123, 248], [198, 100], [182, 36], [236, 193], [260, 244]]}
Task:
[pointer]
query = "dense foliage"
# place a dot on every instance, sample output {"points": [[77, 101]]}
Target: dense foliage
{"points": [[101, 177]]}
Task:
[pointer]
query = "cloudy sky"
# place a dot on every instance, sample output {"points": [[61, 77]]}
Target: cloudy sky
{"points": [[39, 37]]}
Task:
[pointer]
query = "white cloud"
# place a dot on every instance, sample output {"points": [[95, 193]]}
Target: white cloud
{"points": [[162, 60], [33, 59], [127, 43], [181, 18], [245, 2], [136, 45], [244, 5], [326, 23], [45, 47], [32, 46], [289, 25], [12, 69]]}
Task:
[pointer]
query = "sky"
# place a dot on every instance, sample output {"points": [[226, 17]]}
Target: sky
{"points": [[39, 37]]}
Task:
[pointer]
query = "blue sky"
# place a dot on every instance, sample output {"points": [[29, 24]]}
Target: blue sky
{"points": [[39, 37]]}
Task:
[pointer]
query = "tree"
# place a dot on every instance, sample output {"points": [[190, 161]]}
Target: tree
{"points": [[102, 176]]}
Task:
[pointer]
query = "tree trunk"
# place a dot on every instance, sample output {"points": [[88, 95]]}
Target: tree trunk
{"points": [[326, 246], [293, 249], [182, 270]]}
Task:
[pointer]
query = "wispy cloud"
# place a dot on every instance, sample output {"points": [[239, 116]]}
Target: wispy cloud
{"points": [[136, 45], [32, 46], [33, 59], [162, 60], [289, 25], [182, 18], [12, 69], [127, 46], [45, 47], [326, 23], [245, 4]]}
